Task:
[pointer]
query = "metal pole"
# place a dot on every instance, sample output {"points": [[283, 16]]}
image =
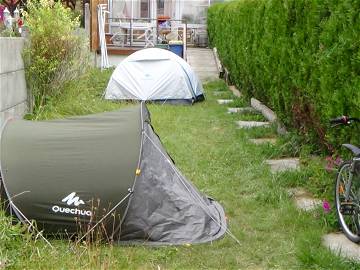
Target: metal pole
{"points": [[131, 21]]}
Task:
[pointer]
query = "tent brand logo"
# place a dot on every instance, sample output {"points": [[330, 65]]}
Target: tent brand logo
{"points": [[71, 199]]}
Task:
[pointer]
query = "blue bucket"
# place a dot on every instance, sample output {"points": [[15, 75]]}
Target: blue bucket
{"points": [[177, 48]]}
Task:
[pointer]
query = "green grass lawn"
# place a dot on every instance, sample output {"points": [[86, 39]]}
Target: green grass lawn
{"points": [[222, 163]]}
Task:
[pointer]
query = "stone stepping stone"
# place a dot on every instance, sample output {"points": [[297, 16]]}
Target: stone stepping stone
{"points": [[340, 245], [304, 200], [218, 93], [224, 101], [235, 91], [280, 165], [251, 124], [243, 110], [263, 141]]}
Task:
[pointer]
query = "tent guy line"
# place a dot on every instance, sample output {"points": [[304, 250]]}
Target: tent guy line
{"points": [[105, 216], [31, 226]]}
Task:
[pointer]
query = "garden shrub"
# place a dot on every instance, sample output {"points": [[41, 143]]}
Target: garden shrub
{"points": [[57, 51], [300, 57]]}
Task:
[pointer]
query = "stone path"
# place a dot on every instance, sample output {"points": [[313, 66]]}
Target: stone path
{"points": [[304, 200], [340, 245], [251, 124], [286, 164], [243, 110], [263, 141], [224, 101]]}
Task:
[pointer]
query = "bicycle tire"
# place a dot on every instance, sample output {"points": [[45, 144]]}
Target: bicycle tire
{"points": [[348, 212]]}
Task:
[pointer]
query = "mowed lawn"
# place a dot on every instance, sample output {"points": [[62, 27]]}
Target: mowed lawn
{"points": [[221, 161]]}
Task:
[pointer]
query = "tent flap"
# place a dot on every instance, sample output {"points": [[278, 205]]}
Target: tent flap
{"points": [[166, 207]]}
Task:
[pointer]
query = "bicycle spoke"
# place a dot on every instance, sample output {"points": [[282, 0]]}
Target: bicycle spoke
{"points": [[347, 202]]}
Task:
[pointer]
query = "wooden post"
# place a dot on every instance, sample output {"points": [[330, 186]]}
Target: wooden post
{"points": [[94, 32]]}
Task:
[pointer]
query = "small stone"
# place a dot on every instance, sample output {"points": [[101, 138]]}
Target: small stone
{"points": [[280, 165], [307, 203], [243, 110], [340, 245], [263, 141], [303, 199], [251, 124], [224, 101]]}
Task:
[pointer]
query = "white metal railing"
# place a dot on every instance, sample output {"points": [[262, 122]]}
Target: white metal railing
{"points": [[135, 32]]}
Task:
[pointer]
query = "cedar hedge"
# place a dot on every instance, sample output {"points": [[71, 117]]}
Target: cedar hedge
{"points": [[300, 57]]}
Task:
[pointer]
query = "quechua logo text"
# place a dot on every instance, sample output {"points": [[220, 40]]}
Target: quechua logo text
{"points": [[70, 200]]}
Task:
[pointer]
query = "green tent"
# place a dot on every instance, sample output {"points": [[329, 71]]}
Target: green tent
{"points": [[108, 171]]}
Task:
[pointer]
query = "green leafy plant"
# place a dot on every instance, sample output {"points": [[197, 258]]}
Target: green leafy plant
{"points": [[57, 51], [15, 240]]}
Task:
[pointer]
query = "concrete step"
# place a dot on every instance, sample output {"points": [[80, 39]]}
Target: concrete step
{"points": [[304, 200], [340, 245], [263, 141], [252, 124], [224, 101], [286, 164], [243, 110]]}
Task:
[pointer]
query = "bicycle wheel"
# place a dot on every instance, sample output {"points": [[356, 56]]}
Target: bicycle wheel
{"points": [[348, 211]]}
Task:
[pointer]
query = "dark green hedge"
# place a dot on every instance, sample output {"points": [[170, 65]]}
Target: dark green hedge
{"points": [[300, 57]]}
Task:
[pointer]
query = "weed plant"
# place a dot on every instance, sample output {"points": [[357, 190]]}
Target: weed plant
{"points": [[56, 53]]}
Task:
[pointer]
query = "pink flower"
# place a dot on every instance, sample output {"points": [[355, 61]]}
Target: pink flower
{"points": [[331, 162], [338, 161], [326, 206]]}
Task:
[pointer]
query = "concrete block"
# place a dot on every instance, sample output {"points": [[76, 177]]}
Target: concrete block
{"points": [[280, 165], [12, 89], [340, 245], [224, 101], [252, 124], [243, 110], [263, 141], [217, 60], [11, 54], [304, 200], [307, 203], [268, 113]]}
